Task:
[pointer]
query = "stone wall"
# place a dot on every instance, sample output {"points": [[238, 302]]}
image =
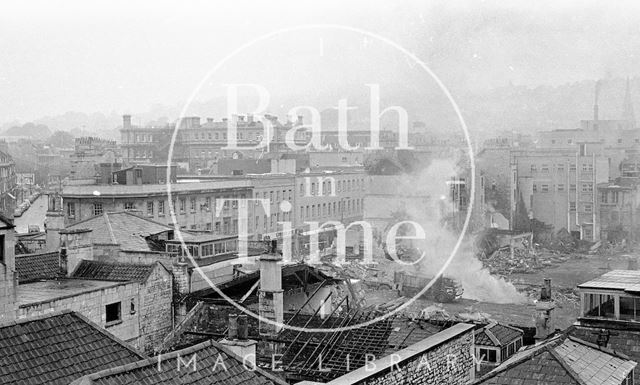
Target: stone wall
{"points": [[156, 313], [92, 305], [444, 358], [8, 278]]}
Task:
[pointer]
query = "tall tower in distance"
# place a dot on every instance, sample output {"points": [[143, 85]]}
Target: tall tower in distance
{"points": [[627, 107], [595, 105]]}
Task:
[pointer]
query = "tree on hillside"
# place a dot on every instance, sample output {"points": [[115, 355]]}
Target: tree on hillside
{"points": [[61, 139]]}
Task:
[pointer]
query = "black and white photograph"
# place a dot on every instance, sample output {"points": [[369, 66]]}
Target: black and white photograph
{"points": [[319, 192]]}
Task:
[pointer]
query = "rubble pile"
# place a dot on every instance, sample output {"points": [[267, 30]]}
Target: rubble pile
{"points": [[436, 313], [525, 261]]}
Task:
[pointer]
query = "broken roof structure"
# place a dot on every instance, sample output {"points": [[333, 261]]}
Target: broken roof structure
{"points": [[563, 360], [208, 363]]}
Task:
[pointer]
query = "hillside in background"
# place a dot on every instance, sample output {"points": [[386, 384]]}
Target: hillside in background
{"points": [[510, 108]]}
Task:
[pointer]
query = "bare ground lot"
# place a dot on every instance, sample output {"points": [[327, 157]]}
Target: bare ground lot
{"points": [[578, 268]]}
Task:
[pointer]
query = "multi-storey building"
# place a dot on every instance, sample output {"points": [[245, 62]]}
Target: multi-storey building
{"points": [[199, 145], [558, 186], [619, 209], [8, 184], [194, 203], [88, 153]]}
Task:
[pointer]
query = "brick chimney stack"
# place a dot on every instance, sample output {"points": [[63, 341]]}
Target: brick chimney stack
{"points": [[237, 340], [271, 293], [544, 306]]}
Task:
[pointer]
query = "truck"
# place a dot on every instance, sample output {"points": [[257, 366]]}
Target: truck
{"points": [[443, 290]]}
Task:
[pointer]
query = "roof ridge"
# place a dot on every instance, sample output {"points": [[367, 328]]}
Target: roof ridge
{"points": [[109, 335], [140, 217], [492, 337], [152, 361], [36, 254], [108, 222], [34, 318]]}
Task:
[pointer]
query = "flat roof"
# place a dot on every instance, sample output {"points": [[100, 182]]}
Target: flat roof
{"points": [[188, 238], [34, 293], [102, 191], [626, 280]]}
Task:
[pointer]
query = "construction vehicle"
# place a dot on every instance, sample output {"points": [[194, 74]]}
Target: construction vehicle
{"points": [[443, 290]]}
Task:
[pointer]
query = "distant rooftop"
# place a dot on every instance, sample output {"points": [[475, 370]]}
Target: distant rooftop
{"points": [[111, 271], [123, 228], [625, 280], [144, 190]]}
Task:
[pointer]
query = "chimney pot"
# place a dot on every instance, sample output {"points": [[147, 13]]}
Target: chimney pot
{"points": [[233, 327], [243, 327]]}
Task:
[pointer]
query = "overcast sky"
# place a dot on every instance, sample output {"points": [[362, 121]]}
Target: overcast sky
{"points": [[125, 56]]}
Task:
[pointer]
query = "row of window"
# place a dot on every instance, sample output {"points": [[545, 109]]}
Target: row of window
{"points": [[204, 250], [585, 187], [609, 197], [326, 184], [349, 206], [545, 168], [270, 223]]}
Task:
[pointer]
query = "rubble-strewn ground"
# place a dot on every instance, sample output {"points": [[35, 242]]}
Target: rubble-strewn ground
{"points": [[566, 270]]}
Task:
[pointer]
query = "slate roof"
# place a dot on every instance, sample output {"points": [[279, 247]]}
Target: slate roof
{"points": [[623, 340], [562, 360], [34, 267], [497, 335], [113, 271], [121, 228], [214, 365], [57, 349], [6, 222]]}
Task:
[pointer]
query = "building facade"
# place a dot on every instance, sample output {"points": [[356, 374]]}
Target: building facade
{"points": [[558, 186]]}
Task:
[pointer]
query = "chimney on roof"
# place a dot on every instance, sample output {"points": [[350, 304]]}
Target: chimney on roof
{"points": [[249, 118], [237, 341], [209, 120], [232, 333], [544, 307], [126, 121], [300, 120]]}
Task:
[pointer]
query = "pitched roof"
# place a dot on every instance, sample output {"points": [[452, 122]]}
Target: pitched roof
{"points": [[623, 339], [121, 228], [496, 334], [57, 349], [562, 360], [6, 222], [34, 267], [112, 271], [214, 364]]}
